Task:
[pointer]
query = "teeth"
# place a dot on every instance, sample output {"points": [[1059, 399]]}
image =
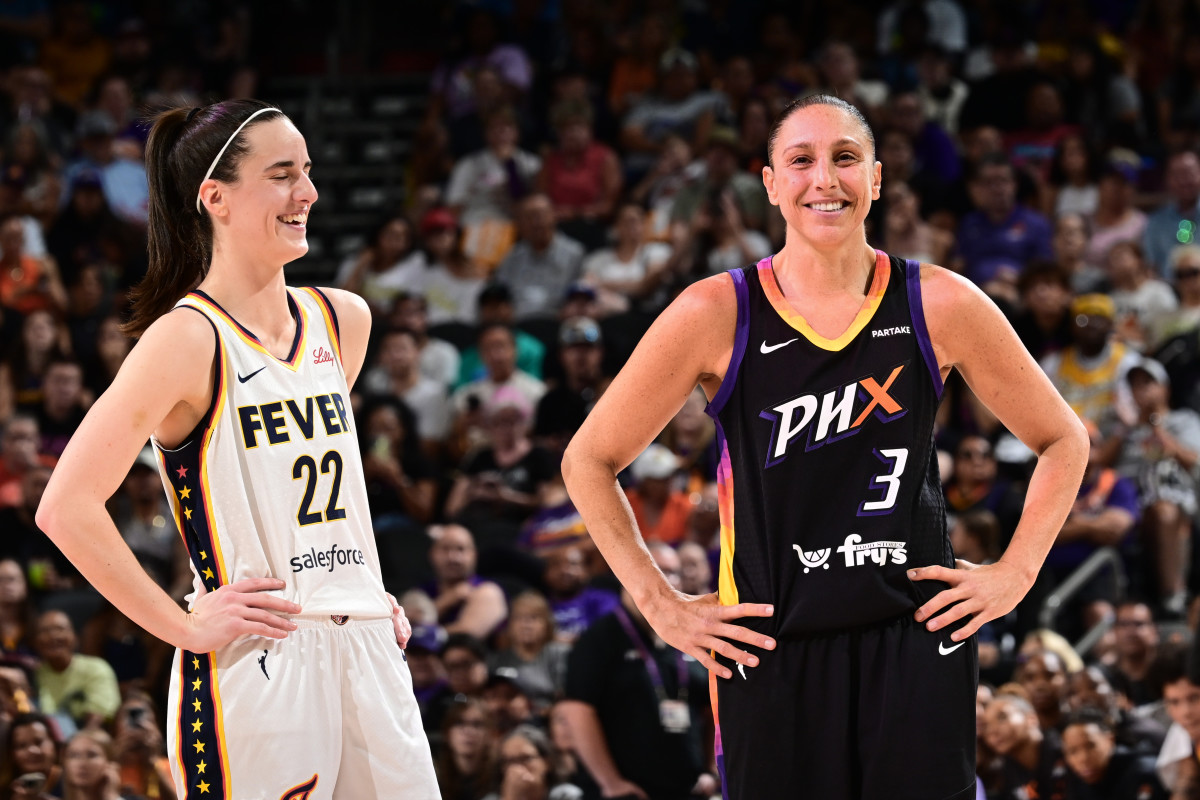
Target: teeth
{"points": [[299, 219], [826, 206]]}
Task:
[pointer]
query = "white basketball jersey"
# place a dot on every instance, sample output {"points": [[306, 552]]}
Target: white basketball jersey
{"points": [[270, 483]]}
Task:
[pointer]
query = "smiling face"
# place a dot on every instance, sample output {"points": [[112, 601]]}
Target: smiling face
{"points": [[825, 175], [263, 216]]}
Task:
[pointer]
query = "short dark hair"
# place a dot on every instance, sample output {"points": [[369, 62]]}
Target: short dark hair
{"points": [[1090, 716], [801, 103], [992, 160], [1043, 270], [465, 641]]}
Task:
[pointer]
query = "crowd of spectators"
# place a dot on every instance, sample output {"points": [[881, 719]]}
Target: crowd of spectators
{"points": [[578, 164]]}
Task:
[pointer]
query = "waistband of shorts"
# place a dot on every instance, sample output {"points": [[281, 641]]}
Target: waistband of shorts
{"points": [[904, 619], [330, 622]]}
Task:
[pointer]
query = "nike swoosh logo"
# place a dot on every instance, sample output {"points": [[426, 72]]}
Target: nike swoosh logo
{"points": [[742, 669], [770, 348], [245, 378], [948, 650]]}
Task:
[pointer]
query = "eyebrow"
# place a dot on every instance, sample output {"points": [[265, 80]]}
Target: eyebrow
{"points": [[810, 146], [286, 165]]}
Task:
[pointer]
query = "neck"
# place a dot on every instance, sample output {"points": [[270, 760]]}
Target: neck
{"points": [[1026, 753], [626, 250], [847, 268], [254, 296], [527, 650], [466, 763]]}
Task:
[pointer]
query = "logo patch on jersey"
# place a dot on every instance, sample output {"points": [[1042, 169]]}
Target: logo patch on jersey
{"points": [[243, 378], [765, 348], [831, 415], [857, 552], [327, 560], [880, 332], [322, 356], [303, 791], [814, 559], [279, 427]]}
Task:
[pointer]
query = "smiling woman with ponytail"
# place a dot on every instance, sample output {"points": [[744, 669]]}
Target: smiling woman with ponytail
{"points": [[225, 352]]}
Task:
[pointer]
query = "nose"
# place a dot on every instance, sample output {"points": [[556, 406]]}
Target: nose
{"points": [[306, 190], [825, 174]]}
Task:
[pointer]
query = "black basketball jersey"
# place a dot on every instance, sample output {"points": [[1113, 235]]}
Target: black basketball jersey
{"points": [[828, 481]]}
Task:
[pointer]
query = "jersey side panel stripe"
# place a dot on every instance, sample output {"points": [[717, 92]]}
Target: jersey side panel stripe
{"points": [[201, 741], [210, 516], [727, 590]]}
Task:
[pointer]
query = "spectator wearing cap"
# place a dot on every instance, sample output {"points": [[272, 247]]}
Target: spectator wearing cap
{"points": [[496, 308], [397, 373], [563, 408], [452, 281], [1160, 451], [1116, 219], [1104, 515], [574, 602], [506, 700], [1000, 236], [122, 179], [1177, 221], [632, 271], [1090, 372], [1138, 294], [582, 177], [389, 264], [580, 300], [661, 510], [1180, 326], [677, 107], [425, 664], [542, 264], [505, 480]]}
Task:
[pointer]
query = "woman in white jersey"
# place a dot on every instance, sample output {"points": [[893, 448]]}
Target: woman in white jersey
{"points": [[288, 682]]}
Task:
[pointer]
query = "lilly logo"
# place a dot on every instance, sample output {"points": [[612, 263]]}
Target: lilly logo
{"points": [[322, 356], [816, 558]]}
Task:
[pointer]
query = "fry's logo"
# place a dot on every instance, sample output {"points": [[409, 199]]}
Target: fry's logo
{"points": [[831, 415]]}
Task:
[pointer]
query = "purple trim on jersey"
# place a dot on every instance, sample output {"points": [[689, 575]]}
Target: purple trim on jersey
{"points": [[912, 271], [740, 336]]}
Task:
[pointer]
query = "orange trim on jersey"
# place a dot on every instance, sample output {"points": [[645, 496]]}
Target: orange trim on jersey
{"points": [[727, 591], [327, 313], [179, 722], [293, 363], [219, 716], [205, 488], [879, 284]]}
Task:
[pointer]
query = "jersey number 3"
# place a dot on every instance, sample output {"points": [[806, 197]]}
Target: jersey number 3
{"points": [[888, 481], [306, 468]]}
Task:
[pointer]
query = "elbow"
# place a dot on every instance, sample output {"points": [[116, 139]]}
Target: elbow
{"points": [[47, 515]]}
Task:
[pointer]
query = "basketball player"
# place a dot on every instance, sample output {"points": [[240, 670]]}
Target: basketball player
{"points": [[288, 682], [841, 621]]}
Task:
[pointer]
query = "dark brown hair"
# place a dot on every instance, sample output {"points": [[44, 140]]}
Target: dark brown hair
{"points": [[182, 144]]}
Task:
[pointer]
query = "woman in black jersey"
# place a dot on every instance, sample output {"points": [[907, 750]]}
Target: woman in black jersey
{"points": [[842, 622]]}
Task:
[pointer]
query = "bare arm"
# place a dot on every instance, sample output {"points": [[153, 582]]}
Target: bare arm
{"points": [[155, 389], [1103, 530], [588, 739], [971, 335], [691, 342], [485, 609]]}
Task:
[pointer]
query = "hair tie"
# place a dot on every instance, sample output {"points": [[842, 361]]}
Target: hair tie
{"points": [[221, 152], [191, 114]]}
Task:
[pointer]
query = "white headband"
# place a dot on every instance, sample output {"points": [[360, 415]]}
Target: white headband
{"points": [[215, 161]]}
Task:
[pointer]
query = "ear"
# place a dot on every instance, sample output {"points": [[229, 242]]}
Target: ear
{"points": [[877, 183], [212, 197], [768, 176]]}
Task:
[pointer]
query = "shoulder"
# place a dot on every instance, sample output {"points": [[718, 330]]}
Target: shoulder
{"points": [[352, 310], [179, 330]]}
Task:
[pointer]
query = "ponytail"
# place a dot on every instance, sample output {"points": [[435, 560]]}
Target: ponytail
{"points": [[182, 145]]}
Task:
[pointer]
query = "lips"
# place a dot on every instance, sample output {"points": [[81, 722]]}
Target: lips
{"points": [[828, 206]]}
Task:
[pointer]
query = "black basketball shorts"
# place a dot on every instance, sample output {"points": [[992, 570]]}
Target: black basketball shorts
{"points": [[879, 713]]}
